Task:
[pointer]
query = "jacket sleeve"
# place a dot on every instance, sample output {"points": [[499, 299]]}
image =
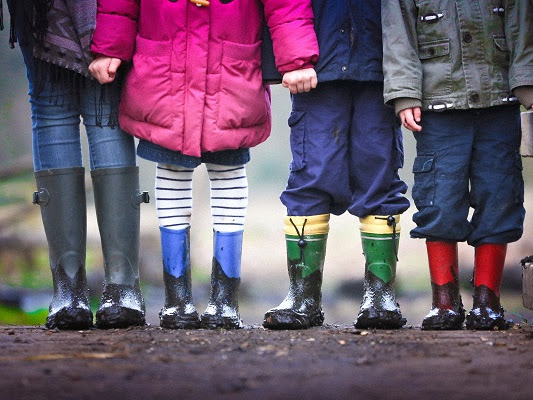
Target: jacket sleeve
{"points": [[293, 33], [116, 28], [401, 65], [519, 35]]}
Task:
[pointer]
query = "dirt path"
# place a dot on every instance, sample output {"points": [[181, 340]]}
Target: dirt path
{"points": [[332, 362]]}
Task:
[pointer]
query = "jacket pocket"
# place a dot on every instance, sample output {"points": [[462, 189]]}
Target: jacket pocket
{"points": [[424, 185], [242, 100], [146, 95], [297, 140], [500, 64], [436, 67]]}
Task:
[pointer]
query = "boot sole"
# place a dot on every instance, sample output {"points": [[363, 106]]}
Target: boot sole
{"points": [[216, 322], [443, 322], [70, 319], [179, 321], [291, 320], [379, 320], [474, 322], [119, 317]]}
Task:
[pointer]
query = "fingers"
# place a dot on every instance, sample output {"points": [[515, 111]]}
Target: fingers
{"points": [[113, 67], [417, 114], [300, 81], [104, 69], [410, 117]]}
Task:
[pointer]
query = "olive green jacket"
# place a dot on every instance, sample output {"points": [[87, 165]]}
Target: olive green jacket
{"points": [[443, 54]]}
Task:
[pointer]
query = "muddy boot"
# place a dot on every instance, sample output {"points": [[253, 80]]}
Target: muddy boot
{"points": [[223, 308], [487, 312], [447, 312], [117, 200], [179, 311], [380, 238], [61, 195], [306, 239]]}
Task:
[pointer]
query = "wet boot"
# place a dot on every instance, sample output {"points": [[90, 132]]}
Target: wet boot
{"points": [[223, 308], [117, 200], [379, 309], [447, 312], [179, 311], [61, 195], [487, 312], [306, 239]]}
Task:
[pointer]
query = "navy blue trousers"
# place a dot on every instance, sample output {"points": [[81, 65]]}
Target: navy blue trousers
{"points": [[469, 159], [346, 151]]}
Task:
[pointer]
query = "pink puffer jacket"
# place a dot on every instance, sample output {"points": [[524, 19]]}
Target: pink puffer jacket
{"points": [[195, 84]]}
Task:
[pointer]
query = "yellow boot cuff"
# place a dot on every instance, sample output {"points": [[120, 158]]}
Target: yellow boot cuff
{"points": [[314, 225], [378, 224]]}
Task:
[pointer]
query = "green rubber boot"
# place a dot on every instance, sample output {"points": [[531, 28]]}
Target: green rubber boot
{"points": [[306, 239], [117, 199], [61, 195], [379, 309]]}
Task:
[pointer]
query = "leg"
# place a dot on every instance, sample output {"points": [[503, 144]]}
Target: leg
{"points": [[174, 210], [377, 198], [61, 194], [117, 200], [318, 184], [229, 201], [440, 193], [497, 197]]}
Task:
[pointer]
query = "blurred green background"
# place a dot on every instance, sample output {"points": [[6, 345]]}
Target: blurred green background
{"points": [[25, 279]]}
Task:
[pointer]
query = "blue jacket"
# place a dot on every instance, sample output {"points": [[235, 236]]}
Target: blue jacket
{"points": [[349, 37]]}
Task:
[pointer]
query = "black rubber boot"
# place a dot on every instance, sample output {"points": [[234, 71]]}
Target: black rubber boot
{"points": [[61, 195], [179, 311], [222, 311], [302, 308], [117, 200]]}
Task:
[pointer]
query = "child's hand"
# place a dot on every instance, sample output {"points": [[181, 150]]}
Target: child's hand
{"points": [[410, 117], [300, 80], [104, 68]]}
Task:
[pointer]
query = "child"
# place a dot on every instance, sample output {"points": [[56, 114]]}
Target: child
{"points": [[346, 148], [55, 41], [195, 95], [450, 70]]}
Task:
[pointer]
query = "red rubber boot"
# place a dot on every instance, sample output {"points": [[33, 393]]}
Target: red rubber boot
{"points": [[447, 312], [487, 312]]}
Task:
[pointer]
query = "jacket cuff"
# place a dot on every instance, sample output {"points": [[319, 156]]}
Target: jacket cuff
{"points": [[525, 95], [404, 103]]}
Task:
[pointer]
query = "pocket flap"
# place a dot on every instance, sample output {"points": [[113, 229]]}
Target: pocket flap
{"points": [[433, 49], [500, 42], [295, 117], [423, 164]]}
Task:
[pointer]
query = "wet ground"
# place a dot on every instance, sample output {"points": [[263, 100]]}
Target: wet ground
{"points": [[331, 362]]}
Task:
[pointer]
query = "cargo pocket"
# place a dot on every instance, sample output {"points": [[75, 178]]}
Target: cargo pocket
{"points": [[436, 67], [519, 180], [297, 140], [424, 186], [398, 145]]}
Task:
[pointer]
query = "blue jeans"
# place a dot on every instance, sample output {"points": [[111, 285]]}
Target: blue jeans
{"points": [[469, 159], [346, 151], [56, 126]]}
